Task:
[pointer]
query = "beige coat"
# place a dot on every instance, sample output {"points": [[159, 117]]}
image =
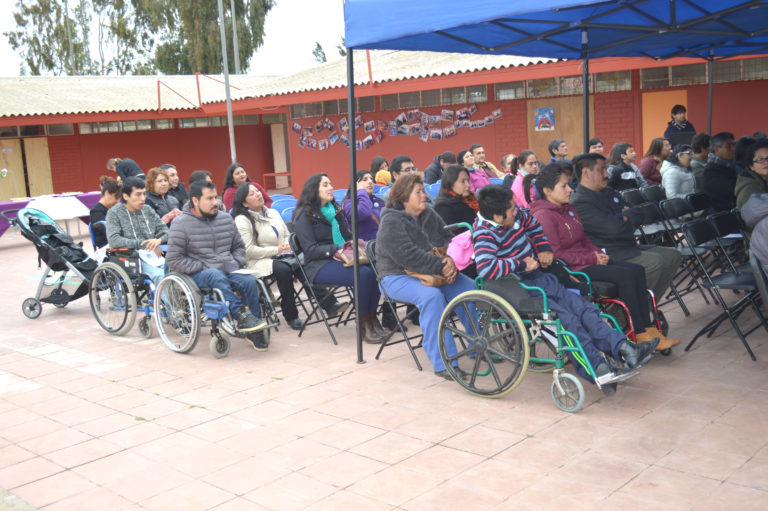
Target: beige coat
{"points": [[259, 254]]}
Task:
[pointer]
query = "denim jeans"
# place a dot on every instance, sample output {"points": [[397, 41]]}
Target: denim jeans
{"points": [[246, 285]]}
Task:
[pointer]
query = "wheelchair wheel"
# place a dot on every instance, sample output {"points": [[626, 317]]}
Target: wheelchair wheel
{"points": [[570, 394], [113, 299], [145, 327], [493, 351], [32, 308], [544, 346], [219, 345], [177, 312]]}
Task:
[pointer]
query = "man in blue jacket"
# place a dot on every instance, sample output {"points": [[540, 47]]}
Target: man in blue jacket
{"points": [[204, 243]]}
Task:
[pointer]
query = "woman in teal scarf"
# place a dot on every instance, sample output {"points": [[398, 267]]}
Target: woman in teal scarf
{"points": [[321, 230]]}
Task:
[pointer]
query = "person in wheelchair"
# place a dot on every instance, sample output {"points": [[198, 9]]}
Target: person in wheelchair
{"points": [[565, 234], [133, 224], [408, 233], [510, 242], [204, 243], [265, 236]]}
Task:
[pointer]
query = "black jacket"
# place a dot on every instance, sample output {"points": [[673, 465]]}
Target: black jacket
{"points": [[434, 172], [718, 181], [179, 193], [454, 210], [128, 168], [601, 215], [316, 238], [162, 206], [99, 214]]}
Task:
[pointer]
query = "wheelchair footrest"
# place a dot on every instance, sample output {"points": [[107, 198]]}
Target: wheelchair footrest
{"points": [[616, 377]]}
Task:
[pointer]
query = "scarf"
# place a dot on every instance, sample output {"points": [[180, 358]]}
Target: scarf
{"points": [[471, 201], [329, 213]]}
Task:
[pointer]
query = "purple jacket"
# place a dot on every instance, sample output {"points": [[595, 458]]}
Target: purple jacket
{"points": [[368, 214], [563, 229]]}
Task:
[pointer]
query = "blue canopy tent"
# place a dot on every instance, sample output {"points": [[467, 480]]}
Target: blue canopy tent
{"points": [[567, 29]]}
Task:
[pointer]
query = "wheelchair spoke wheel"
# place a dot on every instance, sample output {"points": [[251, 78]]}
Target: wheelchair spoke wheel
{"points": [[491, 343], [113, 299], [544, 346], [569, 396], [177, 312]]}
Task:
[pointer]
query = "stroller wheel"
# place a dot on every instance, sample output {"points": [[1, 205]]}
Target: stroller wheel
{"points": [[32, 308]]}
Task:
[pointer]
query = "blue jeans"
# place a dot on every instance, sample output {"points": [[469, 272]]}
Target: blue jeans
{"points": [[431, 302], [580, 317], [229, 283], [155, 273]]}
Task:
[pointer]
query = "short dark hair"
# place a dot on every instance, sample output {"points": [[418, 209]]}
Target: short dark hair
{"points": [[674, 156], [553, 145], [494, 200], [585, 160], [397, 163], [594, 141], [402, 189], [199, 175], [166, 166], [473, 147], [700, 142], [678, 109], [133, 183], [448, 157], [752, 150], [196, 189], [742, 145], [721, 138], [450, 176], [461, 155], [110, 185], [618, 150]]}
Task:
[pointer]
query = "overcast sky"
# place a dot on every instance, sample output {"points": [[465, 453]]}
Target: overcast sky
{"points": [[291, 30]]}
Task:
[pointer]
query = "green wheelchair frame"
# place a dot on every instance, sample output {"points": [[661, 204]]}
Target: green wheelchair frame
{"points": [[501, 346]]}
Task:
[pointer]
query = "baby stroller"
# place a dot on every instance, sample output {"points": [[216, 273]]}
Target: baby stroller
{"points": [[68, 269]]}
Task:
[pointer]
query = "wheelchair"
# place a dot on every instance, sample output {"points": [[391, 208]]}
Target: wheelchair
{"points": [[512, 332], [119, 291], [183, 310]]}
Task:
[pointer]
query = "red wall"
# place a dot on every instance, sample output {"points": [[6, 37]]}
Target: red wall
{"points": [[78, 161]]}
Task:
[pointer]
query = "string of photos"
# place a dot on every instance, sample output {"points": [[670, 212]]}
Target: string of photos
{"points": [[408, 123]]}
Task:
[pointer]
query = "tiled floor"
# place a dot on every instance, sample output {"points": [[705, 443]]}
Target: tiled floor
{"points": [[91, 421]]}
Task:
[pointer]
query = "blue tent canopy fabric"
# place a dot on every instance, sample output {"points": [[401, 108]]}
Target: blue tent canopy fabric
{"points": [[634, 28]]}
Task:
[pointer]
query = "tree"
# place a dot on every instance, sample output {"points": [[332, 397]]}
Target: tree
{"points": [[318, 53], [43, 42], [342, 47], [188, 31]]}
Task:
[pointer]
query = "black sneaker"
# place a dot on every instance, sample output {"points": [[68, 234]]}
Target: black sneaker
{"points": [[295, 323], [258, 340], [635, 355], [444, 374], [247, 322], [338, 308]]}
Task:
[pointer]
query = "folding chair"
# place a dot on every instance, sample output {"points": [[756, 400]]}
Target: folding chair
{"points": [[761, 279], [697, 233], [653, 193], [633, 197], [370, 251], [308, 288], [699, 202]]}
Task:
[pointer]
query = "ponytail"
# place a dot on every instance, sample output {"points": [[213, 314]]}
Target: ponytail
{"points": [[527, 180]]}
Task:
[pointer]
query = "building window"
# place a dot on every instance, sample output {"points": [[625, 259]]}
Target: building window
{"points": [[9, 131], [613, 81], [570, 85], [240, 120], [144, 124], [390, 101], [477, 94], [61, 129], [543, 87], [654, 78], [128, 126], [727, 71], [331, 107], [754, 69], [454, 96], [692, 74], [273, 118], [509, 90], [410, 99], [187, 122], [163, 124], [431, 97]]}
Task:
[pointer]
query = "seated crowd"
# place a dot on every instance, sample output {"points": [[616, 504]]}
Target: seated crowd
{"points": [[528, 220]]}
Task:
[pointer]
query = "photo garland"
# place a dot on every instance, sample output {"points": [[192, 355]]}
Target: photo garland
{"points": [[408, 123]]}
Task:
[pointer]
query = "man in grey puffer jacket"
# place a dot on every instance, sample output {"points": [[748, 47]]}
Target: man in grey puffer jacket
{"points": [[204, 243]]}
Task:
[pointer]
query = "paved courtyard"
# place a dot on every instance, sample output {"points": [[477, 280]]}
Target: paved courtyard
{"points": [[92, 421]]}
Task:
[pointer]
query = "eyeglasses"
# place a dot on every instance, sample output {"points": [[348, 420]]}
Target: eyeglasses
{"points": [[760, 160], [409, 169]]}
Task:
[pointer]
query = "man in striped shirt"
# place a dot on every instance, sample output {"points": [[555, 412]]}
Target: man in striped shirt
{"points": [[509, 242]]}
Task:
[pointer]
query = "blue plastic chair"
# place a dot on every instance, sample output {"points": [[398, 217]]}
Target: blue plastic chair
{"points": [[382, 190], [339, 195], [90, 231], [280, 204], [278, 196], [496, 180], [287, 214], [433, 189]]}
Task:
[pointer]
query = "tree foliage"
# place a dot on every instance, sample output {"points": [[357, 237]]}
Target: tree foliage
{"points": [[318, 53], [134, 36]]}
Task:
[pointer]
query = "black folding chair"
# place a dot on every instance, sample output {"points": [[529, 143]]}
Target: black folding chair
{"points": [[731, 237], [761, 279], [699, 202], [697, 233], [653, 193], [370, 250], [308, 287], [633, 197]]}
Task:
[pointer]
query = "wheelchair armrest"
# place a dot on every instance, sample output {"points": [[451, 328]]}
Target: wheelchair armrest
{"points": [[459, 225]]}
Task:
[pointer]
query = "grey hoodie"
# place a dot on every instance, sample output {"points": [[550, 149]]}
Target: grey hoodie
{"points": [[755, 214], [404, 240]]}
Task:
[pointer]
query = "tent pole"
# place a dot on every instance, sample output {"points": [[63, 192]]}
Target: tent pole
{"points": [[710, 79], [585, 85], [353, 198], [225, 70]]}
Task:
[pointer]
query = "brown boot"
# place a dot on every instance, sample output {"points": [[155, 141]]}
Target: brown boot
{"points": [[369, 331], [379, 329], [650, 334], [669, 340]]}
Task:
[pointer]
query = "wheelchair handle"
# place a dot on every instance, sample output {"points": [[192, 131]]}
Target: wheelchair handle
{"points": [[458, 225]]}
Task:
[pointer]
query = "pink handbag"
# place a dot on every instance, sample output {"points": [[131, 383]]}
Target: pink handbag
{"points": [[461, 250]]}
